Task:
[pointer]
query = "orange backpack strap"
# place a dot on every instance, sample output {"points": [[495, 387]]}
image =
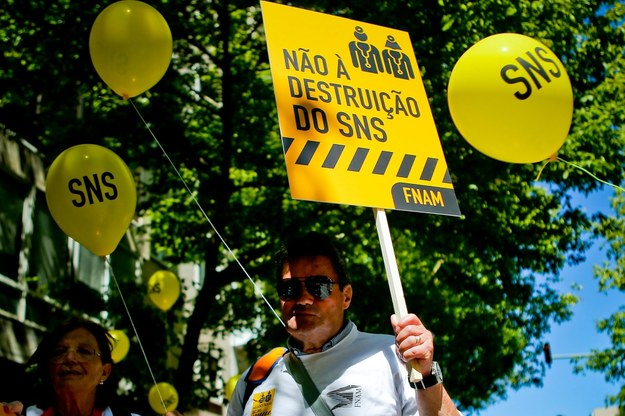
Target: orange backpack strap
{"points": [[260, 370]]}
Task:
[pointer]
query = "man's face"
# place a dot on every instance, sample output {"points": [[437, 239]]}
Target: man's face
{"points": [[310, 320]]}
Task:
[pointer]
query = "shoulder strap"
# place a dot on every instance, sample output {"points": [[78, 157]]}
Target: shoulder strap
{"points": [[259, 371], [307, 386]]}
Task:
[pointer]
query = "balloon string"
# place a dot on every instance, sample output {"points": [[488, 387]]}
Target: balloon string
{"points": [[256, 288], [540, 172], [591, 174], [134, 328], [580, 168]]}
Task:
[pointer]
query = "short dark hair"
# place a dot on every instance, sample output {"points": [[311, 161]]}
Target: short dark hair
{"points": [[38, 363], [310, 245]]}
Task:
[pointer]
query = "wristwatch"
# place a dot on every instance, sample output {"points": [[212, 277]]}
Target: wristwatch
{"points": [[435, 377]]}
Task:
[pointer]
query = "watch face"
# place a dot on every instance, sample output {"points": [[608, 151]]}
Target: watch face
{"points": [[436, 370]]}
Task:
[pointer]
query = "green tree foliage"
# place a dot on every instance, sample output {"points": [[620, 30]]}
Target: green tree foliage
{"points": [[611, 277], [482, 282]]}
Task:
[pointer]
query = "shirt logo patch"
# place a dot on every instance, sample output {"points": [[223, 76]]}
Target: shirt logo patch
{"points": [[263, 403], [348, 396]]}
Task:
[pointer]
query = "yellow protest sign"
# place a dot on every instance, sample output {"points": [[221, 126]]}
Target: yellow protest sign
{"points": [[355, 120]]}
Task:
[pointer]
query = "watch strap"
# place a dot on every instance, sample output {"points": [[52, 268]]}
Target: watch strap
{"points": [[434, 378]]}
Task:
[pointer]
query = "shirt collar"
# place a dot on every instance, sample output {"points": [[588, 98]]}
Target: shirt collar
{"points": [[331, 343]]}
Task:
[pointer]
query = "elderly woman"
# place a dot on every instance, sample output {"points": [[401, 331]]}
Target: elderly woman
{"points": [[72, 365]]}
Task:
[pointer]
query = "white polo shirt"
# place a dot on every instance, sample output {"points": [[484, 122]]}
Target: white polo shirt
{"points": [[360, 375]]}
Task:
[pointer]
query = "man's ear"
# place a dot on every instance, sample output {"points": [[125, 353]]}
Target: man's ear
{"points": [[347, 296]]}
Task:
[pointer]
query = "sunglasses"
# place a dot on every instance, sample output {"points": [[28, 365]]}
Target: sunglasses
{"points": [[318, 286]]}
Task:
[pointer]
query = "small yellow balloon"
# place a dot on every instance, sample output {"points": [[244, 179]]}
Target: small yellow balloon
{"points": [[230, 386], [169, 397], [163, 289], [92, 196], [121, 345], [511, 98], [130, 46]]}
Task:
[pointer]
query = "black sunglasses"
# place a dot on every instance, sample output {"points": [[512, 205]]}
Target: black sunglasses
{"points": [[318, 286]]}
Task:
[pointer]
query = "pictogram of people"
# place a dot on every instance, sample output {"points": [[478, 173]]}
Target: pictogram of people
{"points": [[365, 55], [395, 61]]}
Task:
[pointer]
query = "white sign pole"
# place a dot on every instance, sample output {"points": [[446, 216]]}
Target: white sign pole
{"points": [[394, 281]]}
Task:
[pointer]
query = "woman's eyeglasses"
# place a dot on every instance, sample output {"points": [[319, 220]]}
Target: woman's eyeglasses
{"points": [[81, 354], [318, 286]]}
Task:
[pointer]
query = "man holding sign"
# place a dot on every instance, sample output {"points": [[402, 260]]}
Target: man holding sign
{"points": [[330, 367]]}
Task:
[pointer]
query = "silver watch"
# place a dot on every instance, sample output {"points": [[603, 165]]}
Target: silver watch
{"points": [[435, 377]]}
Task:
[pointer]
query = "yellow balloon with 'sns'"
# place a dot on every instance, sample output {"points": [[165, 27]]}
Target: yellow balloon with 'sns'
{"points": [[511, 98], [163, 289], [92, 196], [121, 345], [163, 398]]}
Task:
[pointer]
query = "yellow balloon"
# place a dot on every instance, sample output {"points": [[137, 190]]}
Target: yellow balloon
{"points": [[121, 345], [511, 98], [230, 386], [92, 196], [130, 46], [169, 395], [163, 289]]}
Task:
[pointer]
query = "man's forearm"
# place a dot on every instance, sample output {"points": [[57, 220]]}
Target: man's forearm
{"points": [[435, 401]]}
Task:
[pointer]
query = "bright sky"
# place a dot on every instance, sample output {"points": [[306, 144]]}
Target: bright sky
{"points": [[564, 393]]}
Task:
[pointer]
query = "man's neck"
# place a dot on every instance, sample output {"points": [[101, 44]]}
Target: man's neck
{"points": [[308, 347]]}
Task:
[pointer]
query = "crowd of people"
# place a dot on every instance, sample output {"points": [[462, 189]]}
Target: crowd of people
{"points": [[328, 366]]}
